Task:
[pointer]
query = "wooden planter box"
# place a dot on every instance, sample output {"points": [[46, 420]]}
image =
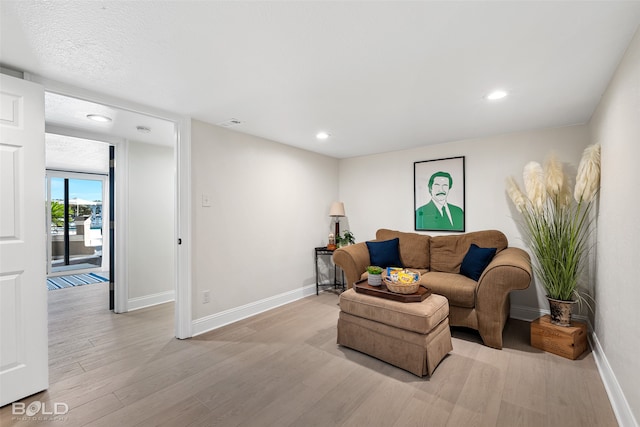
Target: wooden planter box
{"points": [[569, 342]]}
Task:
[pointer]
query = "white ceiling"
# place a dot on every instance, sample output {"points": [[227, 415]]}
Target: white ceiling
{"points": [[76, 154], [377, 75], [65, 112]]}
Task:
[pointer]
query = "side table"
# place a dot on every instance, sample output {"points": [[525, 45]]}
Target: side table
{"points": [[323, 251], [565, 341]]}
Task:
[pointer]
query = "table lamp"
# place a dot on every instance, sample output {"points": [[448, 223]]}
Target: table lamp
{"points": [[336, 211]]}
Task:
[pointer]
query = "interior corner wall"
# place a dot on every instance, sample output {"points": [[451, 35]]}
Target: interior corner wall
{"points": [[151, 224], [269, 206], [378, 189], [616, 126]]}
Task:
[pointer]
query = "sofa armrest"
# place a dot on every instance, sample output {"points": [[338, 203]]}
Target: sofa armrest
{"points": [[516, 275], [509, 270], [353, 260]]}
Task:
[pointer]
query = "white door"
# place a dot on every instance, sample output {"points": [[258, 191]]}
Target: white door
{"points": [[23, 295]]}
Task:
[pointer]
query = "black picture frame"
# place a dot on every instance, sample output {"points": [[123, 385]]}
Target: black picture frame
{"points": [[448, 178]]}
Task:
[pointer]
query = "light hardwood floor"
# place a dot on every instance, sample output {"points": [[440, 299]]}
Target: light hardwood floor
{"points": [[283, 368]]}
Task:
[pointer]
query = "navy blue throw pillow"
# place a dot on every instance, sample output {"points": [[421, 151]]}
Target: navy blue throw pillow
{"points": [[476, 260], [385, 254]]}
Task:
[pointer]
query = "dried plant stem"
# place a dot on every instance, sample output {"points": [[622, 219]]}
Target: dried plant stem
{"points": [[557, 230]]}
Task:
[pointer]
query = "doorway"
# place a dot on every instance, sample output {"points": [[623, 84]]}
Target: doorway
{"points": [[25, 163], [67, 110], [144, 209]]}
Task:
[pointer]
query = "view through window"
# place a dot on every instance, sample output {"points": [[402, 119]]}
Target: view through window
{"points": [[76, 222]]}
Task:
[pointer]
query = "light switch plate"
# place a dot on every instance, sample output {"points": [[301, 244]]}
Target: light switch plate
{"points": [[206, 200]]}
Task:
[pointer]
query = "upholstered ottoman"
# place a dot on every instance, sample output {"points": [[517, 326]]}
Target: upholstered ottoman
{"points": [[414, 336]]}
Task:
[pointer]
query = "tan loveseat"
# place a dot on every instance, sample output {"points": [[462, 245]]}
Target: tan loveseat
{"points": [[483, 305]]}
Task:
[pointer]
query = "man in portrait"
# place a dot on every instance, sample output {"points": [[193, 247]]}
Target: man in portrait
{"points": [[438, 214]]}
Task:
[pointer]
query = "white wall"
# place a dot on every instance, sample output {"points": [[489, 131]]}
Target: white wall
{"points": [[151, 223], [269, 209], [378, 189], [616, 126]]}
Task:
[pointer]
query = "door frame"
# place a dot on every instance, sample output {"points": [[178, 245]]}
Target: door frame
{"points": [[182, 150]]}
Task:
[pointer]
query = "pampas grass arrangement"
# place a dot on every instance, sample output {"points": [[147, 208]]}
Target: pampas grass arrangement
{"points": [[558, 227]]}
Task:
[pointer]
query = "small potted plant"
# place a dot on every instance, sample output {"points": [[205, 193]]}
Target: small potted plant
{"points": [[375, 275], [346, 239]]}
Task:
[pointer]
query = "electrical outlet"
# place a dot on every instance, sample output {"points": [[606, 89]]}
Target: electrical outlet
{"points": [[206, 297]]}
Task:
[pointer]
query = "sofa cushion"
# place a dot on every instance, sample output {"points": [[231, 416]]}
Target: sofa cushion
{"points": [[459, 289], [476, 260], [385, 254], [447, 252], [414, 247]]}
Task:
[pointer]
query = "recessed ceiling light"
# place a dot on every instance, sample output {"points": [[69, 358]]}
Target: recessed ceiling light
{"points": [[496, 94], [323, 135], [99, 118], [143, 129]]}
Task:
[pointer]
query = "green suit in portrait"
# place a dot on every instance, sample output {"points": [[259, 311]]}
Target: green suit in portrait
{"points": [[428, 217]]}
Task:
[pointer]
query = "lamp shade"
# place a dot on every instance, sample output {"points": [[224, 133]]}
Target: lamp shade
{"points": [[337, 209]]}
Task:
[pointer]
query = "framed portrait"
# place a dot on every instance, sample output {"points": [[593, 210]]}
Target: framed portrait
{"points": [[439, 194]]}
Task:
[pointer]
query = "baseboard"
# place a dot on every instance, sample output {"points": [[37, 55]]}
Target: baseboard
{"points": [[618, 401], [215, 321], [528, 314], [149, 300]]}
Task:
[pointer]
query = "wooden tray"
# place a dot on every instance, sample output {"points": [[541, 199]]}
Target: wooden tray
{"points": [[381, 291]]}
